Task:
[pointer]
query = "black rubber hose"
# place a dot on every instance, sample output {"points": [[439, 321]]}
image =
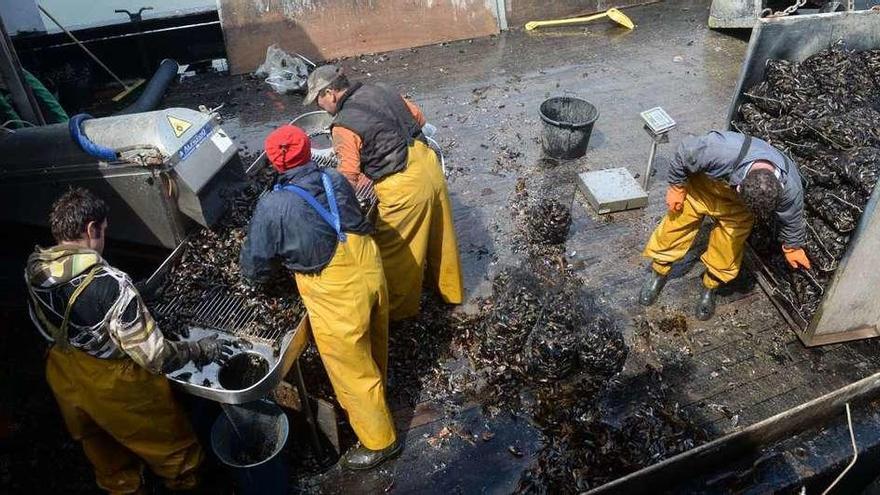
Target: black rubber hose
{"points": [[155, 89]]}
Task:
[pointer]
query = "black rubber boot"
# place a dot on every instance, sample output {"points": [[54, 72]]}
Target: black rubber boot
{"points": [[360, 458], [651, 288], [706, 304]]}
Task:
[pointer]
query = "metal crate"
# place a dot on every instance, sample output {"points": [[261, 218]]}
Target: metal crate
{"points": [[848, 310]]}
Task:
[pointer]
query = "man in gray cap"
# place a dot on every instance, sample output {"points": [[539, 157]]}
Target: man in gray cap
{"points": [[377, 135]]}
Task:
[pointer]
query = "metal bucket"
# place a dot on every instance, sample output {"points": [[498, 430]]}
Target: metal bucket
{"points": [[317, 126], [249, 438], [568, 124]]}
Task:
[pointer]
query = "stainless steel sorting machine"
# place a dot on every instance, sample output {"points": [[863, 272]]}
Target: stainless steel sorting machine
{"points": [[849, 309], [171, 171]]}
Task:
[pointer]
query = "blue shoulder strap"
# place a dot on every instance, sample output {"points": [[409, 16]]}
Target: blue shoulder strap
{"points": [[332, 216]]}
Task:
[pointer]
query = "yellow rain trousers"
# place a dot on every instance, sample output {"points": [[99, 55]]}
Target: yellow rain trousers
{"points": [[415, 232], [124, 416], [347, 303], [677, 231]]}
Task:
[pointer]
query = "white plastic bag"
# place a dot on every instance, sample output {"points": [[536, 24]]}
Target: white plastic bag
{"points": [[283, 71]]}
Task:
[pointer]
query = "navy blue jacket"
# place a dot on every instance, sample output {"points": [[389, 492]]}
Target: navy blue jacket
{"points": [[287, 229]]}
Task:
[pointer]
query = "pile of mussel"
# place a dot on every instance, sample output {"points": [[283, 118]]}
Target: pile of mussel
{"points": [[210, 263], [823, 112]]}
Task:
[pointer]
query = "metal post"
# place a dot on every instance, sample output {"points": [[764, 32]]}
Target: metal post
{"points": [[10, 70], [501, 14], [307, 409], [650, 167]]}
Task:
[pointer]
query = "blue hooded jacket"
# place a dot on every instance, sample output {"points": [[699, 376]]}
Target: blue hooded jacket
{"points": [[286, 228]]}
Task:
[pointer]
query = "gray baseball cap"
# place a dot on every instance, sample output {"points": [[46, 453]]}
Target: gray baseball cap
{"points": [[319, 79]]}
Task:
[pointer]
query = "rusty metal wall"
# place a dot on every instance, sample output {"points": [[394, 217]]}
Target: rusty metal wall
{"points": [[326, 29]]}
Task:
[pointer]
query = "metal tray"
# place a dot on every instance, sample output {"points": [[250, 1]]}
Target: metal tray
{"points": [[227, 318]]}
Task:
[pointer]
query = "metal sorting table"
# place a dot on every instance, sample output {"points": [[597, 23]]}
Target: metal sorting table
{"points": [[229, 316], [848, 310]]}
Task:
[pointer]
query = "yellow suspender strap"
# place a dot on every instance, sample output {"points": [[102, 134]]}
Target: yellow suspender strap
{"points": [[60, 334], [76, 293]]}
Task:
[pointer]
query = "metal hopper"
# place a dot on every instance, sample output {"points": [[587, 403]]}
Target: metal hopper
{"points": [[848, 310], [174, 167]]}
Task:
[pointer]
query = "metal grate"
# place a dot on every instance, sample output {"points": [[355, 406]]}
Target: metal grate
{"points": [[228, 313]]}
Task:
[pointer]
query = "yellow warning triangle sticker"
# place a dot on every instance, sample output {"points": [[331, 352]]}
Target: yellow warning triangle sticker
{"points": [[179, 126]]}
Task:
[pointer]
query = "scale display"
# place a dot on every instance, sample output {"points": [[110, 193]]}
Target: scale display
{"points": [[658, 120]]}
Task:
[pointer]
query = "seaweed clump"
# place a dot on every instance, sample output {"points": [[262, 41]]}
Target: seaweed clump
{"points": [[546, 348]]}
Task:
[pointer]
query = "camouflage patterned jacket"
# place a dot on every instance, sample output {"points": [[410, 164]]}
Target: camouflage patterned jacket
{"points": [[77, 299]]}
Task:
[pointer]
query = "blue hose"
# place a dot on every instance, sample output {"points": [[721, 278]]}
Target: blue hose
{"points": [[96, 150]]}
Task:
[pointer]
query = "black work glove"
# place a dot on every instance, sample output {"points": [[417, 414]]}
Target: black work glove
{"points": [[209, 350], [174, 330], [148, 293]]}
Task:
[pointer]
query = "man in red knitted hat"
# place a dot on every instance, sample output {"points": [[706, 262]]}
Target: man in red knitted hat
{"points": [[312, 224]]}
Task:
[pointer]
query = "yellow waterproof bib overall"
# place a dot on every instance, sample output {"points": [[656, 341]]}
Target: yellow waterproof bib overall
{"points": [[347, 303], [677, 231], [122, 414], [415, 231]]}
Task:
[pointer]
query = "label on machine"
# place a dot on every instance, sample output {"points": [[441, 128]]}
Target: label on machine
{"points": [[187, 149], [178, 125], [222, 141]]}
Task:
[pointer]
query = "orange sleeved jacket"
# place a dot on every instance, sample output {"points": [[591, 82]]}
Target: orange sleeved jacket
{"points": [[348, 146]]}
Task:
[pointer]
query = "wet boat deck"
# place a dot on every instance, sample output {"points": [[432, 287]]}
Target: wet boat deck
{"points": [[744, 365]]}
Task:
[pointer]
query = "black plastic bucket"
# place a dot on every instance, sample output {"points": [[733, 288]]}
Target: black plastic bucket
{"points": [[249, 438], [568, 123]]}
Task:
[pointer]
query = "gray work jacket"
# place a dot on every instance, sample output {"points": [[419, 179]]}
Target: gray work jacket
{"points": [[714, 154]]}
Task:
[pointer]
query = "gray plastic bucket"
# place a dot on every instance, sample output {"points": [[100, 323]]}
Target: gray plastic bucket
{"points": [[249, 438], [568, 123]]}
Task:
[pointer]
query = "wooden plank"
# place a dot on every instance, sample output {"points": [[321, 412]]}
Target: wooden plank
{"points": [[471, 453], [325, 29], [424, 413], [787, 383]]}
